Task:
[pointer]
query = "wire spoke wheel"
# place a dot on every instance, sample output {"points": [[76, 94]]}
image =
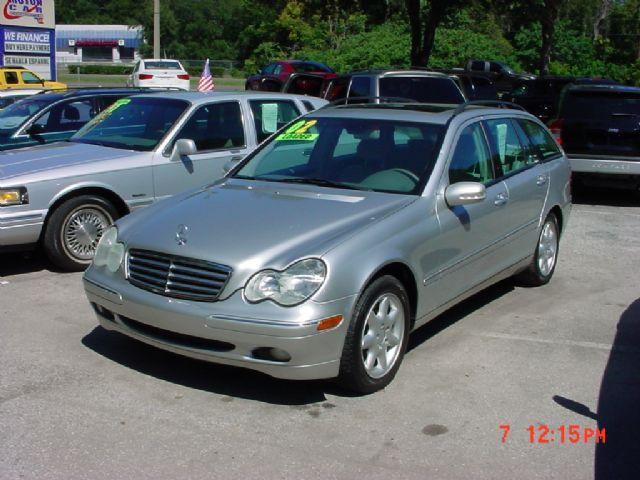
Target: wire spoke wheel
{"points": [[82, 230], [382, 335]]}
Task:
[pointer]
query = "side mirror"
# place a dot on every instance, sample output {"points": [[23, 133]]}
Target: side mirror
{"points": [[36, 129], [465, 193], [230, 165], [183, 148]]}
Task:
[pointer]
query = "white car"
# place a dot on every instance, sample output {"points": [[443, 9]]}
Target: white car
{"points": [[155, 73], [7, 97]]}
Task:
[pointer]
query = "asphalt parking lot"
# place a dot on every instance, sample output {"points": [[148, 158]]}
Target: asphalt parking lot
{"points": [[79, 402]]}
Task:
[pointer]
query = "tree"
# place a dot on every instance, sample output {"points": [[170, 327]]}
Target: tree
{"points": [[548, 17], [601, 18], [423, 36]]}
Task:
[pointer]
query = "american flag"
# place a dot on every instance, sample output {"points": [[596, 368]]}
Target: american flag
{"points": [[206, 80]]}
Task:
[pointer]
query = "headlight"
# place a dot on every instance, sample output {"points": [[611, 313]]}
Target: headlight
{"points": [[13, 196], [109, 252], [290, 287]]}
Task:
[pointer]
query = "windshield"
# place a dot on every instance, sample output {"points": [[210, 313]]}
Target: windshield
{"points": [[352, 153], [162, 65], [421, 89], [132, 123], [17, 113]]}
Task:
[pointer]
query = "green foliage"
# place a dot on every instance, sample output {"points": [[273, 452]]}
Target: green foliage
{"points": [[100, 69], [350, 34]]}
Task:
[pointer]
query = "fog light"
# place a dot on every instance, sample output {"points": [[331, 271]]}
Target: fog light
{"points": [[271, 354], [331, 322]]}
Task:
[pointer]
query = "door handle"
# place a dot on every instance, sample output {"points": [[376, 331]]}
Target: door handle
{"points": [[541, 180], [237, 158], [501, 199]]}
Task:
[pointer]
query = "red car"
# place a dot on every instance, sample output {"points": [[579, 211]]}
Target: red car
{"points": [[272, 77]]}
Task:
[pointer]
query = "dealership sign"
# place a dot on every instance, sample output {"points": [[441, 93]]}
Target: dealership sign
{"points": [[28, 13], [27, 41]]}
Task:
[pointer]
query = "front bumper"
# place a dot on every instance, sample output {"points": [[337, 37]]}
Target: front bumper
{"points": [[606, 165], [20, 228], [228, 331]]}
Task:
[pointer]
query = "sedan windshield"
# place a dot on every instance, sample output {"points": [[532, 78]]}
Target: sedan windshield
{"points": [[132, 123], [358, 154], [17, 113]]}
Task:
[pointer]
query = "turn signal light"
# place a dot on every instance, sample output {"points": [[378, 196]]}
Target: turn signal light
{"points": [[331, 322], [183, 76], [556, 129]]}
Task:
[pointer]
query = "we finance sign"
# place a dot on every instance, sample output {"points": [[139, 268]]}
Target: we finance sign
{"points": [[28, 41], [28, 13]]}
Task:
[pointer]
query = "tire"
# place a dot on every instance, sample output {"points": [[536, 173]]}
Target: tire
{"points": [[540, 270], [354, 374], [64, 243]]}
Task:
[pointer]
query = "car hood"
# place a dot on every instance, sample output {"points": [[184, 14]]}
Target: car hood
{"points": [[250, 226], [41, 158]]}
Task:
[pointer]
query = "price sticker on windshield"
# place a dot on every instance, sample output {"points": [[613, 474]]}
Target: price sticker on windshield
{"points": [[298, 131]]}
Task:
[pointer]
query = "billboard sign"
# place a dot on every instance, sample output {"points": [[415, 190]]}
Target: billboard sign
{"points": [[27, 41], [28, 13], [39, 65]]}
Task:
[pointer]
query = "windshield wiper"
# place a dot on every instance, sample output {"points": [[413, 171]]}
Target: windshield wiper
{"points": [[321, 182]]}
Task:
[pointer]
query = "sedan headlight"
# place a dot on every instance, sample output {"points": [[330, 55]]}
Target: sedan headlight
{"points": [[13, 196], [109, 252], [289, 287]]}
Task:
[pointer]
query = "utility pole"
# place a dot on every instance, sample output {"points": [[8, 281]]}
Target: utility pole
{"points": [[156, 28]]}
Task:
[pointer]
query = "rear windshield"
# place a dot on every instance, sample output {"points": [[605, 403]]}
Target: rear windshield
{"points": [[421, 89], [581, 105], [310, 67], [162, 65]]}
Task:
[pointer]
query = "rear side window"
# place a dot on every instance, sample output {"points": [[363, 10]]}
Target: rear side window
{"points": [[215, 126], [337, 89], [269, 116], [66, 117], [471, 161], [477, 65], [508, 153], [360, 87], [545, 146], [308, 105], [421, 89], [11, 78]]}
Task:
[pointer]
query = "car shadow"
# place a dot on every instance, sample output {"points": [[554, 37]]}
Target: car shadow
{"points": [[19, 263], [458, 312], [243, 383], [612, 197], [619, 403]]}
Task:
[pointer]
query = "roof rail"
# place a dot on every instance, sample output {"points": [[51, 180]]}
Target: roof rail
{"points": [[487, 103], [346, 100]]}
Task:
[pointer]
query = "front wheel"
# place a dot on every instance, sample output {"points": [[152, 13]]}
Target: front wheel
{"points": [[545, 256], [377, 337], [74, 230]]}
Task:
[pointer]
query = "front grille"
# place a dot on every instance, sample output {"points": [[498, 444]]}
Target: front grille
{"points": [[178, 277]]}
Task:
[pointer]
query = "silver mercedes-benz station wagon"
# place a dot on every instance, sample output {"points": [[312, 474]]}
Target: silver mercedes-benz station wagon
{"points": [[319, 253]]}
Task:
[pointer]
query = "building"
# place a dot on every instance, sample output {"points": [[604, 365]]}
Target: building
{"points": [[97, 43]]}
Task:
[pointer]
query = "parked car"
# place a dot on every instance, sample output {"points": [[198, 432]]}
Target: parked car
{"points": [[140, 149], [319, 253], [54, 116], [418, 85], [7, 97], [20, 77], [599, 128], [476, 87], [503, 76], [541, 96], [159, 73], [273, 76]]}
